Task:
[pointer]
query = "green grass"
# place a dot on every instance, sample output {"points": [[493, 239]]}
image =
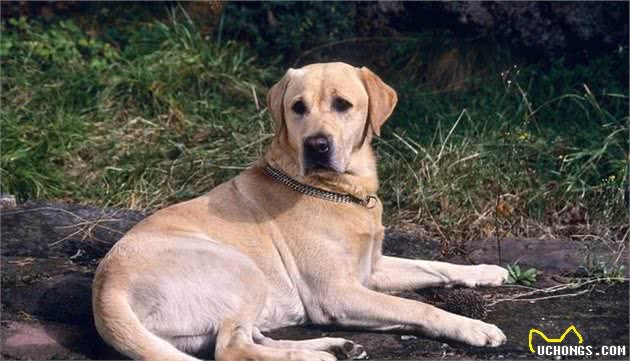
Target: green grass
{"points": [[532, 157], [167, 117], [169, 113]]}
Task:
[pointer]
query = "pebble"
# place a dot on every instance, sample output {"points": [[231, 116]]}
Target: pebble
{"points": [[7, 201]]}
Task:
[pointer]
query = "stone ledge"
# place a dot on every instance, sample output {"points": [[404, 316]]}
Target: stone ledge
{"points": [[49, 256]]}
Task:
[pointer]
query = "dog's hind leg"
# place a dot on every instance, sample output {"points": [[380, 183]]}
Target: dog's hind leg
{"points": [[344, 349], [235, 342]]}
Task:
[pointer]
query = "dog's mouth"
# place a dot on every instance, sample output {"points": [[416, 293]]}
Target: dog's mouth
{"points": [[318, 167], [318, 155]]}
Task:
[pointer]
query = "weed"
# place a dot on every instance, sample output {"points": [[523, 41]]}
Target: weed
{"points": [[149, 115], [596, 268], [522, 277], [501, 159]]}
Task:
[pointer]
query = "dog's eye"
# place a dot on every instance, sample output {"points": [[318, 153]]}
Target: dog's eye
{"points": [[341, 105], [299, 107]]}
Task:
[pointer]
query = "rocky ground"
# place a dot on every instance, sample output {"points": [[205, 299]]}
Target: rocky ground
{"points": [[50, 251]]}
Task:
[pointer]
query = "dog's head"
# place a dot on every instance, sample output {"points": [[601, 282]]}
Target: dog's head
{"points": [[327, 112]]}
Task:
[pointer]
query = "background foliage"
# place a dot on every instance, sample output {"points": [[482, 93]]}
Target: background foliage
{"points": [[157, 106]]}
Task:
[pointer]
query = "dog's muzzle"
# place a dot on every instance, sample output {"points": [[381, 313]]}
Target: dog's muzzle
{"points": [[318, 152]]}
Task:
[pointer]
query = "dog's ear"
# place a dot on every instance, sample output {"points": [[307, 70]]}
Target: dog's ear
{"points": [[275, 99], [382, 100]]}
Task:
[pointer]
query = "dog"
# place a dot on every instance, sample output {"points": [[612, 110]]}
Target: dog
{"points": [[295, 238]]}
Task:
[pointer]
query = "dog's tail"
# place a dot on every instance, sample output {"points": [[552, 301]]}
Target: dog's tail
{"points": [[120, 327]]}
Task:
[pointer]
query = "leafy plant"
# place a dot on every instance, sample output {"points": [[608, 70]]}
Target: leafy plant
{"points": [[522, 277], [595, 267]]}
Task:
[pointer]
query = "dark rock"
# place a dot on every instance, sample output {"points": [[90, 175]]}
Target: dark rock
{"points": [[48, 266], [561, 257], [576, 29], [45, 230], [601, 317], [28, 340], [65, 299], [36, 340], [18, 271], [401, 244]]}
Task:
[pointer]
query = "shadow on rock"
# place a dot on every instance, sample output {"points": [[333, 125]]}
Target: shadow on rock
{"points": [[63, 305]]}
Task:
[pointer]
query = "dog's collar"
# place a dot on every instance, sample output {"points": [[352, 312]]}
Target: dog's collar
{"points": [[278, 175]]}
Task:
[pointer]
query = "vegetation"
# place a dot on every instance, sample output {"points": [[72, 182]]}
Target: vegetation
{"points": [[166, 117], [298, 25], [161, 112], [521, 277], [608, 271]]}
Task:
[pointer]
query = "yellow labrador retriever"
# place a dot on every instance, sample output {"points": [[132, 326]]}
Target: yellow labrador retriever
{"points": [[296, 238]]}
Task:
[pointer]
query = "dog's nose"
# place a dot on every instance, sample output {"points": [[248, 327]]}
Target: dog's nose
{"points": [[318, 143]]}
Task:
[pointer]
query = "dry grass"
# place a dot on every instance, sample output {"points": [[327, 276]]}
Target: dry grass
{"points": [[540, 151]]}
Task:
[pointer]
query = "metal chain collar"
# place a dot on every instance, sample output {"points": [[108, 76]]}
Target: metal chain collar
{"points": [[278, 175]]}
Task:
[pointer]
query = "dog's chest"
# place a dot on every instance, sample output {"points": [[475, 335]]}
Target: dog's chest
{"points": [[366, 249], [354, 243]]}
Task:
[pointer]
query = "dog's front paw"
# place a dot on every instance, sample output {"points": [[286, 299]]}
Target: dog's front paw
{"points": [[307, 355], [479, 333], [350, 351], [484, 275]]}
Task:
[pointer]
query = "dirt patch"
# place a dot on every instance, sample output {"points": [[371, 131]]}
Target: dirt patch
{"points": [[50, 252]]}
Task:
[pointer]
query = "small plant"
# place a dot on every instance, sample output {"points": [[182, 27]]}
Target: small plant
{"points": [[596, 268], [522, 277]]}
